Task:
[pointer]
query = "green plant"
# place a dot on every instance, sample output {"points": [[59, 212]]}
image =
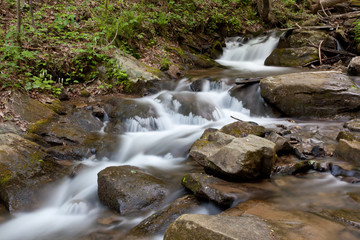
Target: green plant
{"points": [[357, 31]]}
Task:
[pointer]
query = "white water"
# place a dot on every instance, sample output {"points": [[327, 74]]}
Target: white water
{"points": [[248, 56], [159, 145]]}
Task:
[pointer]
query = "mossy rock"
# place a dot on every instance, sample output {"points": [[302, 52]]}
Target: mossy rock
{"points": [[292, 57], [25, 168]]}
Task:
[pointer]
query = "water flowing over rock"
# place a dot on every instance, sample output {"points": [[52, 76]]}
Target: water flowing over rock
{"points": [[353, 125], [246, 158], [219, 191], [129, 189], [25, 168], [299, 48], [312, 94], [201, 227]]}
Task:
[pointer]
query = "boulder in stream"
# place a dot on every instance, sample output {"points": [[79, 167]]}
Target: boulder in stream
{"points": [[201, 227], [221, 192], [158, 222], [246, 158], [129, 189], [292, 57], [349, 150], [25, 168], [354, 66], [312, 94]]}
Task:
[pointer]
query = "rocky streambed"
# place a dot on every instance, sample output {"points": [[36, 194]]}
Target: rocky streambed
{"points": [[122, 168]]}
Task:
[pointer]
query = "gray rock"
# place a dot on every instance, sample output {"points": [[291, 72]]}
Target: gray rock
{"points": [[353, 125], [348, 150], [158, 222], [312, 94], [247, 158], [129, 189], [282, 145], [221, 192], [241, 129], [25, 168], [354, 66], [201, 227], [134, 69], [292, 57]]}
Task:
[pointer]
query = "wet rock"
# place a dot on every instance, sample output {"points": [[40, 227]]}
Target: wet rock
{"points": [[292, 57], [158, 222], [241, 128], [25, 168], [352, 176], [219, 191], [195, 226], [353, 125], [129, 189], [125, 114], [298, 167], [245, 158], [348, 150], [303, 37], [354, 66], [282, 145], [98, 112], [189, 104], [312, 94], [350, 136], [30, 109], [288, 223], [68, 130], [197, 85]]}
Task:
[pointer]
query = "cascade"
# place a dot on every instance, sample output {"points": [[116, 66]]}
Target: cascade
{"points": [[159, 144]]}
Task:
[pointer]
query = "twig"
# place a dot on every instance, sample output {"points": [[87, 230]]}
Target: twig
{"points": [[236, 118], [117, 30], [334, 51], [322, 7], [320, 51]]}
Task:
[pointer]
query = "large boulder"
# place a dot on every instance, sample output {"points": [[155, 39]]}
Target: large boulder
{"points": [[201, 227], [354, 66], [349, 150], [246, 158], [299, 48], [292, 57], [129, 189], [304, 37], [25, 168], [312, 94], [221, 192]]}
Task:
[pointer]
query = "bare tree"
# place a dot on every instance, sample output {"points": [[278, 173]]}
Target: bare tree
{"points": [[264, 7]]}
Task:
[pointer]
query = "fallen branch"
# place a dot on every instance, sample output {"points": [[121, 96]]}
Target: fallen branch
{"points": [[236, 118], [248, 81], [335, 51], [344, 15]]}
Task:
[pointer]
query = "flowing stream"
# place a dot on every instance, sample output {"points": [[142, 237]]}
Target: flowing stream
{"points": [[161, 145]]}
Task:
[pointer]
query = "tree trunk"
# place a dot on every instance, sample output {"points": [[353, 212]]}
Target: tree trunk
{"points": [[32, 14], [325, 4], [18, 12], [263, 7]]}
